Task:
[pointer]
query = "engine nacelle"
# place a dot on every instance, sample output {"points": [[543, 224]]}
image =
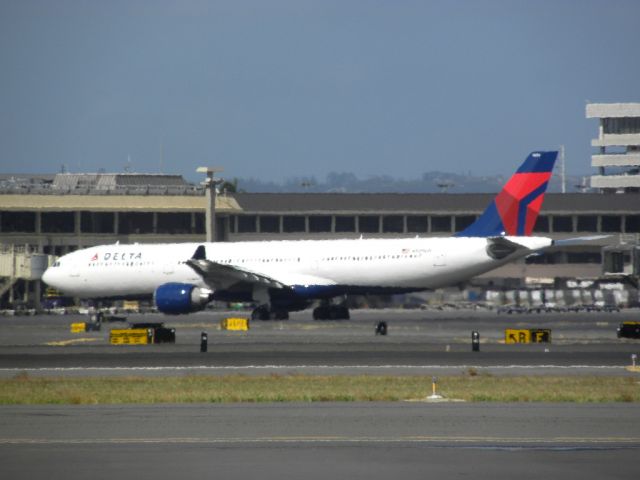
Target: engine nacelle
{"points": [[178, 298]]}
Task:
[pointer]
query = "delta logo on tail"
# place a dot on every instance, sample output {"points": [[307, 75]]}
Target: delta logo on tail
{"points": [[515, 209]]}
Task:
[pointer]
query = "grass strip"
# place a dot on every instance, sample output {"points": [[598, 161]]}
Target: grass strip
{"points": [[23, 389]]}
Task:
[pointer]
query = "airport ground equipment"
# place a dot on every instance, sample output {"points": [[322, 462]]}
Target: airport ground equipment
{"points": [[81, 327], [532, 335], [235, 324], [131, 336], [475, 341], [203, 342], [78, 327], [381, 328], [160, 333], [629, 330]]}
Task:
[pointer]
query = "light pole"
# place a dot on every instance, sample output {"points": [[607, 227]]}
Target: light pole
{"points": [[210, 184]]}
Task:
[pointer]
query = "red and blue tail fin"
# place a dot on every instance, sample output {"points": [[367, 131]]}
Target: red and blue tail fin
{"points": [[515, 209]]}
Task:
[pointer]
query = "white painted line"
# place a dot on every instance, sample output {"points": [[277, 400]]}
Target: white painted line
{"points": [[330, 439], [318, 367]]}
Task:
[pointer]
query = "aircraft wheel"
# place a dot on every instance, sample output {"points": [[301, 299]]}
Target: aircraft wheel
{"points": [[320, 313], [260, 313]]}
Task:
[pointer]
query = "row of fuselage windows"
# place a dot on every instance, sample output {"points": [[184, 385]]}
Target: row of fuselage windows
{"points": [[95, 264], [549, 258], [118, 264], [128, 223], [354, 258]]}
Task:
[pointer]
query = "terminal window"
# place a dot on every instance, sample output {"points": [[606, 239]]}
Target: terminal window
{"points": [[562, 223], [611, 223], [97, 222], [542, 224], [587, 223], [417, 223], [174, 223], [369, 224], [269, 224], [293, 223], [441, 223], [319, 223], [548, 258], [18, 222], [247, 223], [345, 224], [393, 224], [200, 220], [622, 125], [584, 257], [58, 222], [632, 224], [135, 222]]}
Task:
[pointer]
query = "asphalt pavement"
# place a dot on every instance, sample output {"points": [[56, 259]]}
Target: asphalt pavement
{"points": [[328, 440], [418, 342]]}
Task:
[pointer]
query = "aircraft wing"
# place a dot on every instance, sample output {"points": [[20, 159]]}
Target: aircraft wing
{"points": [[222, 276]]}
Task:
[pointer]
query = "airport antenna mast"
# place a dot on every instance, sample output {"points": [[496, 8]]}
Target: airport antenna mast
{"points": [[563, 178], [210, 184]]}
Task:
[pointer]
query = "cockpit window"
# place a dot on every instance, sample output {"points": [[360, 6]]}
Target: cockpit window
{"points": [[56, 264]]}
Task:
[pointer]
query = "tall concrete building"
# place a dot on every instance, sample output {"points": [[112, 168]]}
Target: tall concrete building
{"points": [[618, 144]]}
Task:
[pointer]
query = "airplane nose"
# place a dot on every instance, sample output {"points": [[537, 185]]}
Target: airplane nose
{"points": [[45, 276], [48, 277]]}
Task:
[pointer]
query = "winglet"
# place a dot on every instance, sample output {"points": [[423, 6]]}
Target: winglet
{"points": [[200, 253]]}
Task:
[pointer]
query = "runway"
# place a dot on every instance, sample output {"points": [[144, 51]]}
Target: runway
{"points": [[418, 343], [373, 441]]}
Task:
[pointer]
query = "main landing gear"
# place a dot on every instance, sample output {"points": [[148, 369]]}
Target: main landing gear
{"points": [[264, 313], [331, 312]]}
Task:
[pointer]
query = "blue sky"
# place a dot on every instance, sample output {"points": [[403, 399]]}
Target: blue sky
{"points": [[278, 89]]}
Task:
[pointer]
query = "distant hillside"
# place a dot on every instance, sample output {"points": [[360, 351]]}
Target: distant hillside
{"points": [[430, 182]]}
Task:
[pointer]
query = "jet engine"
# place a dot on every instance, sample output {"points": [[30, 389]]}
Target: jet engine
{"points": [[178, 298]]}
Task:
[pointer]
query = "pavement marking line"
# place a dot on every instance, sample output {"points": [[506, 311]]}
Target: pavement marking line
{"points": [[469, 440], [318, 367], [63, 343]]}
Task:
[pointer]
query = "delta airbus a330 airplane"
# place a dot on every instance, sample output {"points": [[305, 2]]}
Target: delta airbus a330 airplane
{"points": [[284, 276]]}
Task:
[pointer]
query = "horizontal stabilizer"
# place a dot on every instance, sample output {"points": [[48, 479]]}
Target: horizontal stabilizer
{"points": [[578, 240]]}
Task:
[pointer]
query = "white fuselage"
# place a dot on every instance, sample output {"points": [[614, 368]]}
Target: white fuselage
{"points": [[416, 263]]}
